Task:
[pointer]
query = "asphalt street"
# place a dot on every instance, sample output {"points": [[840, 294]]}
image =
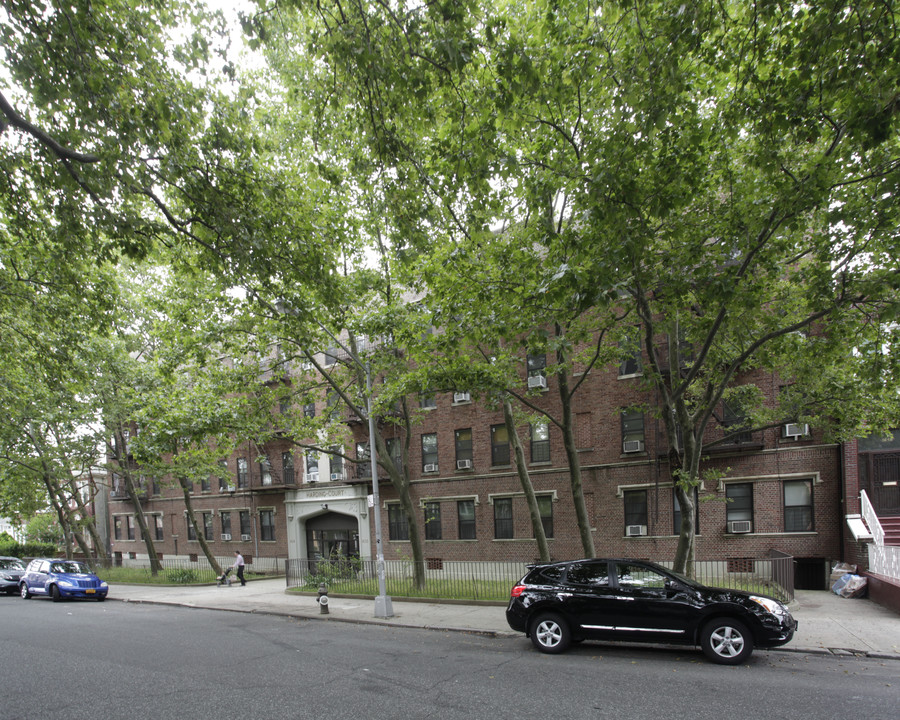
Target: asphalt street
{"points": [[115, 659]]}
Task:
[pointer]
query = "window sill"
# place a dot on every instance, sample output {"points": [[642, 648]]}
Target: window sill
{"points": [[632, 375]]}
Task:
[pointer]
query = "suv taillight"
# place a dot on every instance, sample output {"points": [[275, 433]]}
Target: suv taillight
{"points": [[517, 590]]}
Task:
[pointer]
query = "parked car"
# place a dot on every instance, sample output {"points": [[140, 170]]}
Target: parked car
{"points": [[556, 604], [11, 571], [61, 579]]}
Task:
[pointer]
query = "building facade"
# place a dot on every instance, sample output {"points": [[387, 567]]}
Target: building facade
{"points": [[780, 490]]}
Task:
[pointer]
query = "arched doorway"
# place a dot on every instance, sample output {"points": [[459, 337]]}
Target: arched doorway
{"points": [[331, 536]]}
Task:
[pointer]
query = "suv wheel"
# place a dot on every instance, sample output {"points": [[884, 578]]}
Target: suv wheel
{"points": [[23, 591], [54, 593], [550, 633], [726, 641]]}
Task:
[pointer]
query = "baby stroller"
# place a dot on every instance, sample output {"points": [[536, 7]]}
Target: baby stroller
{"points": [[224, 580]]}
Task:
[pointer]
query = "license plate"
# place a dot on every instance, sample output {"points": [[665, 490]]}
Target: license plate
{"points": [[90, 592]]}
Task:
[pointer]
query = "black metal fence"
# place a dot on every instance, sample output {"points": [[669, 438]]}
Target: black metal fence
{"points": [[491, 581]]}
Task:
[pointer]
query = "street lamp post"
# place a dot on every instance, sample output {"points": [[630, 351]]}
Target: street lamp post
{"points": [[383, 606]]}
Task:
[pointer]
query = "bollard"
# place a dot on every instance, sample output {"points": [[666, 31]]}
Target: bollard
{"points": [[323, 599]]}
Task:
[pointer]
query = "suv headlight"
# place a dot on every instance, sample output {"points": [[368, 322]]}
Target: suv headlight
{"points": [[772, 606]]}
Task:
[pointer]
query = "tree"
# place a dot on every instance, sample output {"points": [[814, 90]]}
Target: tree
{"points": [[726, 171]]}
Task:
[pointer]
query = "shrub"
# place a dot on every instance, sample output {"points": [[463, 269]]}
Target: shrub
{"points": [[28, 549], [181, 576]]}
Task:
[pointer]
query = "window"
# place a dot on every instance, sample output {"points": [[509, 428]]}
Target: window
{"points": [[287, 467], [395, 451], [312, 465], [336, 461], [158, 527], [129, 520], [429, 452], [117, 527], [503, 519], [545, 507], [630, 351], [332, 399], [632, 431], [265, 470], [226, 523], [540, 442], [398, 525], [463, 449], [204, 485], [676, 513], [267, 525], [739, 504], [499, 445], [432, 521], [284, 405], [635, 510], [798, 505], [364, 466], [224, 483], [309, 410], [588, 573], [207, 526], [331, 355], [535, 366], [242, 472], [244, 516], [638, 577], [734, 418], [465, 509], [427, 401], [191, 532]]}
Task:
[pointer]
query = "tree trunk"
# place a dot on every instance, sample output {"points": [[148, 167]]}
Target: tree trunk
{"points": [[568, 431], [400, 480], [155, 567], [533, 510], [199, 533]]}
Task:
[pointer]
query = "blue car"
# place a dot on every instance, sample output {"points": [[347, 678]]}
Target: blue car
{"points": [[60, 579]]}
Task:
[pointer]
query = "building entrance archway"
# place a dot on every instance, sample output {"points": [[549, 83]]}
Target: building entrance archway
{"points": [[332, 536]]}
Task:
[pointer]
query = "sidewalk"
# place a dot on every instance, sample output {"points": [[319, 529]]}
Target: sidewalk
{"points": [[828, 624]]}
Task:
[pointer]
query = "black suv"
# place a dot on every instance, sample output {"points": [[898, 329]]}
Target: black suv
{"points": [[611, 599]]}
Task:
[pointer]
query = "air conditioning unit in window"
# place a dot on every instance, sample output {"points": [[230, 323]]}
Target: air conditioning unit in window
{"points": [[229, 488], [796, 430], [312, 477], [337, 476], [636, 530], [245, 538], [463, 464], [740, 526], [461, 397], [430, 467], [537, 381], [226, 537], [632, 446]]}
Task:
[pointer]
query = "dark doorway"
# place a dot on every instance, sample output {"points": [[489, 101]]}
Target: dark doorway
{"points": [[810, 574], [331, 537]]}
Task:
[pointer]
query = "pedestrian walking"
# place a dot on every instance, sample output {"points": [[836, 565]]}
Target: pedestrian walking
{"points": [[239, 566]]}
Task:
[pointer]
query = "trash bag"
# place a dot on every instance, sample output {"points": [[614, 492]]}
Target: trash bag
{"points": [[841, 569], [849, 586]]}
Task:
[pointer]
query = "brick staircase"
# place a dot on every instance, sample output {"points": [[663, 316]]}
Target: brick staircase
{"points": [[891, 527]]}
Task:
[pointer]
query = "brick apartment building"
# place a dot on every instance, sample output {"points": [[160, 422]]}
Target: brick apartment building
{"points": [[782, 489]]}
